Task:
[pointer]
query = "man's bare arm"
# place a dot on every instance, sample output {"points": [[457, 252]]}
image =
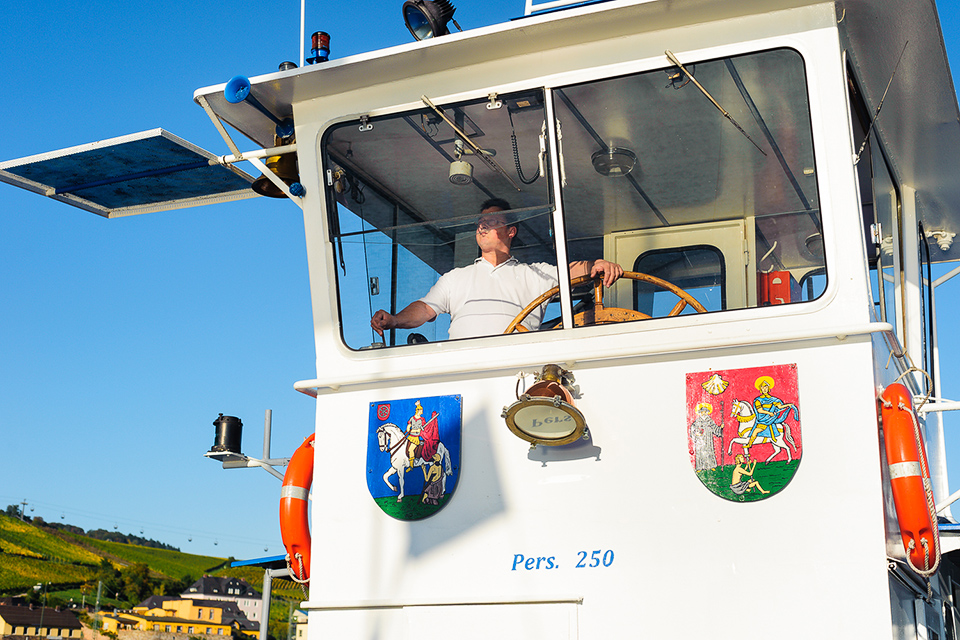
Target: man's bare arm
{"points": [[611, 270], [415, 314]]}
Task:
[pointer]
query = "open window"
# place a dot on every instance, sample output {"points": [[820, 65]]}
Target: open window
{"points": [[880, 200]]}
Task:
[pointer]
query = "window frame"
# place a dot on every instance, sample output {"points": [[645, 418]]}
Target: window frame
{"points": [[555, 191]]}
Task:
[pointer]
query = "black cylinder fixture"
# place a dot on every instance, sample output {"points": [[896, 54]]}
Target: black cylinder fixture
{"points": [[229, 432], [428, 18]]}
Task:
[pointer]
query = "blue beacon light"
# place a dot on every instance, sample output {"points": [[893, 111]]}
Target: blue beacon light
{"points": [[238, 90]]}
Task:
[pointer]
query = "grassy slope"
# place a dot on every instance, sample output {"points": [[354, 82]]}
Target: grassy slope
{"points": [[19, 573], [30, 554], [166, 562], [24, 539]]}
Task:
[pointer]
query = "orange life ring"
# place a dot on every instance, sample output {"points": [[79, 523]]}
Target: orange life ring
{"points": [[910, 480], [294, 522]]}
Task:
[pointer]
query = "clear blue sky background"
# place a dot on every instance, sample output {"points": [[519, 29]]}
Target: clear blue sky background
{"points": [[121, 340]]}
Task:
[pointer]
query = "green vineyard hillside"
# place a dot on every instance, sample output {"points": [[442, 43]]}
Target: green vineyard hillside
{"points": [[31, 554]]}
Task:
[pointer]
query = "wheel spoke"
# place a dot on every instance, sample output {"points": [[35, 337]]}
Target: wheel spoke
{"points": [[602, 315], [678, 308]]}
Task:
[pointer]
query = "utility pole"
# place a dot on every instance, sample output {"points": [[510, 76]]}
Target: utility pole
{"points": [[43, 607], [289, 620], [96, 620], [24, 503]]}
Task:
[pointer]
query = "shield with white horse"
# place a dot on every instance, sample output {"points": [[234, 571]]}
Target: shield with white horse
{"points": [[413, 454], [743, 430]]}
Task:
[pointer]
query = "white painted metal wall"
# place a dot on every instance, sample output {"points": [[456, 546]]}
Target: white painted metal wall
{"points": [[808, 562]]}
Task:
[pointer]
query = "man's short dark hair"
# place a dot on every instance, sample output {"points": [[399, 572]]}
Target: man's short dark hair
{"points": [[499, 203]]}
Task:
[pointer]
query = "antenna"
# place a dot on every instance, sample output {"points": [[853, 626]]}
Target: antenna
{"points": [[880, 106]]}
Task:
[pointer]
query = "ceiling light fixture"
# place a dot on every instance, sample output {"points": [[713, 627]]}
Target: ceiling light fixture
{"points": [[614, 161], [461, 171]]}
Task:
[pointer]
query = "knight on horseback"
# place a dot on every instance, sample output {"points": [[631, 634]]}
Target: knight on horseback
{"points": [[771, 411], [423, 438], [414, 426]]}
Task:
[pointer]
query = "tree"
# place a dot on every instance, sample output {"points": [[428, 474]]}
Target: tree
{"points": [[14, 511], [108, 575], [137, 585]]}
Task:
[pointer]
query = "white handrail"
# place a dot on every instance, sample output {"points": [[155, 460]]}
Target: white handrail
{"points": [[550, 4], [259, 153], [939, 406]]}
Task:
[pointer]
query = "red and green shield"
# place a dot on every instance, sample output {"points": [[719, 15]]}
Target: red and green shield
{"points": [[743, 430]]}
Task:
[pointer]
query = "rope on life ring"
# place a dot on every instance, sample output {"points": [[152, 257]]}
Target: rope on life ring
{"points": [[910, 480], [294, 521]]}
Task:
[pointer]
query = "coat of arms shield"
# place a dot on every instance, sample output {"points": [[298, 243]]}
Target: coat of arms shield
{"points": [[413, 454], [743, 430]]}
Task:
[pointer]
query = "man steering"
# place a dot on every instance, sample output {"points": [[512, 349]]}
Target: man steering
{"points": [[484, 297]]}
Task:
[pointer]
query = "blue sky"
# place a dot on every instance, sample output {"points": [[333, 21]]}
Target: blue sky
{"points": [[123, 339]]}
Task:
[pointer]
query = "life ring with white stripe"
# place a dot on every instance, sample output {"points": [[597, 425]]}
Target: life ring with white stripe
{"points": [[294, 521], [910, 480]]}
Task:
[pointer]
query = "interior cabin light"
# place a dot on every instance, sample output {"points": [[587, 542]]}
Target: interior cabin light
{"points": [[545, 414], [614, 161], [461, 171], [813, 247], [428, 18]]}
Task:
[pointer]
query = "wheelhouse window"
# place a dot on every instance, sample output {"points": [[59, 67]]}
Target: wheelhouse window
{"points": [[407, 192], [659, 180], [705, 212], [697, 270]]}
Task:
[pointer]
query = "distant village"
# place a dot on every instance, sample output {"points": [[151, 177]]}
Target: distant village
{"points": [[211, 606]]}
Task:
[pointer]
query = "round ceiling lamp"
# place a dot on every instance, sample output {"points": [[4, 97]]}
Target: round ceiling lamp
{"points": [[614, 161]]}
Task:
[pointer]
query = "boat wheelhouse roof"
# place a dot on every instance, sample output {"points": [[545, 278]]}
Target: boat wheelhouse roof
{"points": [[919, 123]]}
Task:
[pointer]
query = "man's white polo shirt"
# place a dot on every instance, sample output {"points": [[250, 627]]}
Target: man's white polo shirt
{"points": [[482, 299]]}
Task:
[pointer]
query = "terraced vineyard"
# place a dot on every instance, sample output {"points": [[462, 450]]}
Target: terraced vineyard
{"points": [[30, 554], [70, 565], [19, 573], [172, 564], [23, 539]]}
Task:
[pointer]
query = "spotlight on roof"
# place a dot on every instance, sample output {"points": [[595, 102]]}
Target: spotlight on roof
{"points": [[428, 18]]}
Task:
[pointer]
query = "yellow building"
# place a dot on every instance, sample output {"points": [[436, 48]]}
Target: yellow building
{"points": [[182, 615], [38, 621]]}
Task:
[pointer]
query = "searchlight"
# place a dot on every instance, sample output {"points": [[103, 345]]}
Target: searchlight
{"points": [[428, 18]]}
